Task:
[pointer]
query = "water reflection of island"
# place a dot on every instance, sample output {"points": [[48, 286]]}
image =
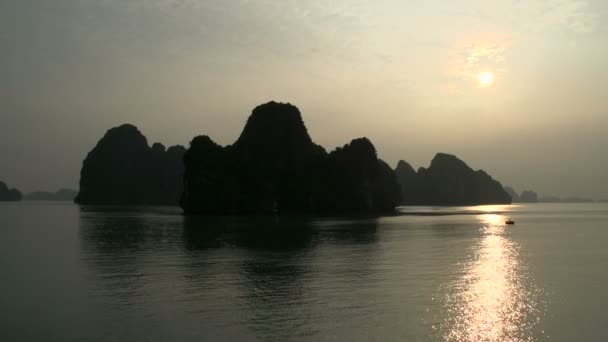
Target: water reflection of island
{"points": [[276, 265], [203, 270], [122, 247]]}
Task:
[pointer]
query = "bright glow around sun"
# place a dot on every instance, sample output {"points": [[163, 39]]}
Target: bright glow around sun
{"points": [[485, 78]]}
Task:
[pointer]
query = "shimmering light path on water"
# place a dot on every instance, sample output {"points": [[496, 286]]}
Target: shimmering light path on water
{"points": [[431, 274], [495, 299]]}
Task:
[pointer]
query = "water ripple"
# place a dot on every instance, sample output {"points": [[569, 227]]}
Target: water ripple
{"points": [[495, 299]]}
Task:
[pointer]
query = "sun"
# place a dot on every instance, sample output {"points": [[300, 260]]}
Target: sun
{"points": [[485, 78]]}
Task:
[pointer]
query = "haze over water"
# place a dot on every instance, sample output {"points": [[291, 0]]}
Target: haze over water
{"points": [[433, 274]]}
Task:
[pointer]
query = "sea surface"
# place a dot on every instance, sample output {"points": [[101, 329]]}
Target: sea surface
{"points": [[430, 274]]}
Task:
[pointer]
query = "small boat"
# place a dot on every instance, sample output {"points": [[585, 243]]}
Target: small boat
{"points": [[509, 222]]}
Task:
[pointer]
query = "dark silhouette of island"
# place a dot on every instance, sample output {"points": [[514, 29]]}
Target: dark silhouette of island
{"points": [[9, 195], [59, 195], [448, 181], [550, 199], [526, 196], [529, 196], [122, 169], [275, 167], [576, 199]]}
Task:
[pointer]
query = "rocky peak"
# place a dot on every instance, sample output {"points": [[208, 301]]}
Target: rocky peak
{"points": [[123, 138], [7, 194], [158, 147], [444, 161], [274, 129], [404, 169]]}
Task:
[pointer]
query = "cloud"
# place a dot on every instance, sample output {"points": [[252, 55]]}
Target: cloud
{"points": [[524, 21], [559, 15], [478, 57]]}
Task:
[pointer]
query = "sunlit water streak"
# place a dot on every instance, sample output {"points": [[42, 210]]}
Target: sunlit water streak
{"points": [[494, 300]]}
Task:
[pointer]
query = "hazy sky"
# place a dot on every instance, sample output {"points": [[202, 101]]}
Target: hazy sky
{"points": [[403, 73]]}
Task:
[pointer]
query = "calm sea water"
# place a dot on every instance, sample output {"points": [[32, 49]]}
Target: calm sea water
{"points": [[433, 274]]}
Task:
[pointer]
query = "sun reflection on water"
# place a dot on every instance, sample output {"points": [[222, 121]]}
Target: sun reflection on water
{"points": [[494, 299]]}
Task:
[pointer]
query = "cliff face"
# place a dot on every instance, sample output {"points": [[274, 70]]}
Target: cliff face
{"points": [[277, 161], [123, 169], [357, 181], [449, 181], [274, 166], [411, 188], [512, 193], [9, 195], [210, 182]]}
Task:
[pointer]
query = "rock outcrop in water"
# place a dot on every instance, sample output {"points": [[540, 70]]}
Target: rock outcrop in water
{"points": [[59, 195], [448, 181], [9, 195], [357, 181], [274, 166], [528, 196], [123, 169]]}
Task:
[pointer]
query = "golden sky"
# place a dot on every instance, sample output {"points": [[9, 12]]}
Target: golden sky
{"points": [[514, 87]]}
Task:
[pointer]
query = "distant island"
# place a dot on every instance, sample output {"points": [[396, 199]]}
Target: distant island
{"points": [[448, 181], [59, 195], [273, 167], [529, 196], [526, 196], [9, 195]]}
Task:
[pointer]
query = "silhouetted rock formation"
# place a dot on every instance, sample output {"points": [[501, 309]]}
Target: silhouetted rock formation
{"points": [[357, 181], [412, 189], [512, 193], [550, 199], [274, 166], [528, 196], [9, 195], [60, 195], [575, 199], [123, 169], [449, 181]]}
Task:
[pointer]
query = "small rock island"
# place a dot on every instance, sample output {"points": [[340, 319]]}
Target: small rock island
{"points": [[9, 195], [124, 170]]}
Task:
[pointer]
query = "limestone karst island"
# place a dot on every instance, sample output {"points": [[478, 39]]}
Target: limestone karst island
{"points": [[9, 194], [273, 167]]}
